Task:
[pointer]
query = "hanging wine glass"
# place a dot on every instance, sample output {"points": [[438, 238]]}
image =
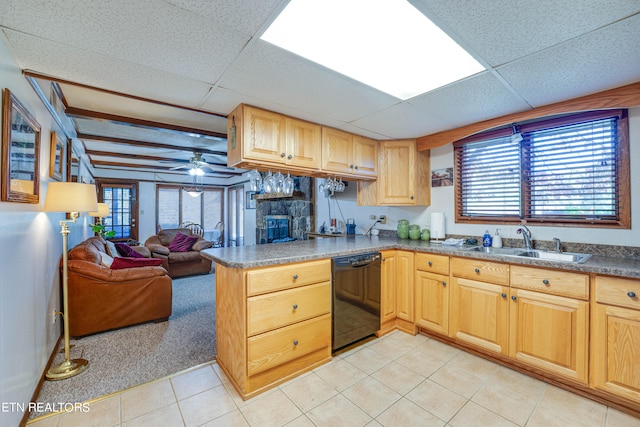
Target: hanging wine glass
{"points": [[340, 186], [288, 185], [269, 183], [279, 182], [255, 180]]}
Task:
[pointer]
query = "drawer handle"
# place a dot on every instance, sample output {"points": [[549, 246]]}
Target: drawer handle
{"points": [[430, 263], [513, 297], [295, 306], [631, 294], [504, 295], [545, 281], [295, 342], [444, 283], [477, 270], [295, 277]]}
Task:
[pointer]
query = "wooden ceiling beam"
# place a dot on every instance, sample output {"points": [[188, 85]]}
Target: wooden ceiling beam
{"points": [[137, 143], [142, 157], [623, 97], [129, 166]]}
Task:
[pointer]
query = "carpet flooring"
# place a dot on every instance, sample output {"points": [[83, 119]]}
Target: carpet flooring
{"points": [[134, 355]]}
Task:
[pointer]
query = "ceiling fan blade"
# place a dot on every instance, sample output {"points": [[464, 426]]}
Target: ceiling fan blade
{"points": [[179, 167]]}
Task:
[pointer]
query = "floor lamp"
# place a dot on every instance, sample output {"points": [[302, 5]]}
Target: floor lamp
{"points": [[71, 197]]}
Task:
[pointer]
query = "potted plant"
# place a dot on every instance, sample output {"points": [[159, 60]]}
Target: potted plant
{"points": [[100, 230]]}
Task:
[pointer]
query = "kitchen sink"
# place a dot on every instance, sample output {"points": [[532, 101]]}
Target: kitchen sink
{"points": [[577, 258]]}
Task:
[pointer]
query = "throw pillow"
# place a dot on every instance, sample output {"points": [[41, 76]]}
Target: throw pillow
{"points": [[112, 250], [127, 251], [125, 262], [105, 259], [182, 243]]}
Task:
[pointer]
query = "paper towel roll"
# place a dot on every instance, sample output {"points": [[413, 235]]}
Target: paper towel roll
{"points": [[437, 225]]}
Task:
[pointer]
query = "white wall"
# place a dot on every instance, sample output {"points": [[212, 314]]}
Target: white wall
{"points": [[30, 250], [442, 200]]}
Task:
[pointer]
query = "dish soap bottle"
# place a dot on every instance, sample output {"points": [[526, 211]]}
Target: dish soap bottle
{"points": [[486, 239], [497, 239]]}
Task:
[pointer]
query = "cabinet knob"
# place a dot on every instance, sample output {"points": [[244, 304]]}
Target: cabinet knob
{"points": [[477, 270], [282, 154], [411, 197], [290, 156], [430, 263], [295, 342], [351, 166], [513, 297], [355, 167], [295, 277], [545, 281], [631, 294], [444, 283], [504, 295], [295, 306]]}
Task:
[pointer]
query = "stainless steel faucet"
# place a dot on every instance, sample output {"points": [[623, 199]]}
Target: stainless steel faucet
{"points": [[558, 245], [526, 233]]}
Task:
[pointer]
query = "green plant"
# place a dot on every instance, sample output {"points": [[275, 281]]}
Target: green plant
{"points": [[100, 230]]}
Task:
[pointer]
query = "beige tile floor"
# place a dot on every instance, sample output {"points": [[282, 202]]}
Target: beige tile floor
{"points": [[397, 380]]}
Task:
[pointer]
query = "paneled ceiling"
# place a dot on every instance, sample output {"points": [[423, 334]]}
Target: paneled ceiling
{"points": [[148, 83]]}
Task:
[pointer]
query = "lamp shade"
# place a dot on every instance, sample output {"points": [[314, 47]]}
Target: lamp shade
{"points": [[71, 197], [103, 211]]}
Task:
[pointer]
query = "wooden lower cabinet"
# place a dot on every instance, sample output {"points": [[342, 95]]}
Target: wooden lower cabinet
{"points": [[432, 302], [616, 337], [550, 333], [404, 290], [272, 323], [479, 314], [388, 296]]}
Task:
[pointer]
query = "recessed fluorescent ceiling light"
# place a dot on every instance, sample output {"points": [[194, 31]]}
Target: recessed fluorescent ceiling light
{"points": [[386, 44]]}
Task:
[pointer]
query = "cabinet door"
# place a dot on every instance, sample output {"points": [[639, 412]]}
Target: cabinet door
{"points": [[263, 135], [303, 145], [365, 156], [550, 332], [397, 183], [479, 314], [616, 351], [388, 287], [337, 151], [404, 285], [432, 302]]}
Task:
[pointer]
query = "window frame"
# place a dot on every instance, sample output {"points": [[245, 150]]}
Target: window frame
{"points": [[623, 174], [181, 189]]}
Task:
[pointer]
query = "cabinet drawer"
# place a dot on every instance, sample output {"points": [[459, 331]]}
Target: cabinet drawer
{"points": [[269, 279], [563, 283], [274, 348], [618, 291], [431, 263], [277, 309], [482, 270]]}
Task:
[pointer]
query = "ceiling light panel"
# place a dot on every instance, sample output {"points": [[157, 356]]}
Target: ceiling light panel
{"points": [[386, 44]]}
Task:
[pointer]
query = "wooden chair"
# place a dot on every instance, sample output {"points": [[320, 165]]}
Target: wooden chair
{"points": [[219, 242], [196, 229]]}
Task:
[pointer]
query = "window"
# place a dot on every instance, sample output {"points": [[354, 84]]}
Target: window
{"points": [[236, 216], [568, 170], [174, 206]]}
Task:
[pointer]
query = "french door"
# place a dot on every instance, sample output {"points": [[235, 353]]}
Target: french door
{"points": [[122, 198]]}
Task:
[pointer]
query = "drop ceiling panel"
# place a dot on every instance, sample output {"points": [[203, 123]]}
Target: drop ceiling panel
{"points": [[94, 70], [500, 31], [597, 61], [280, 78]]}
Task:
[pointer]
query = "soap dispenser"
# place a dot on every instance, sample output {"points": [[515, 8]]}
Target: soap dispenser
{"points": [[486, 239], [497, 239]]}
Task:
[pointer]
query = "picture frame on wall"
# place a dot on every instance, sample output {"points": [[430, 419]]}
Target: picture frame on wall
{"points": [[251, 202], [57, 156]]}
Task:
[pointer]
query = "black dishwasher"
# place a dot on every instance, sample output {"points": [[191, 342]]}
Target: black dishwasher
{"points": [[355, 298]]}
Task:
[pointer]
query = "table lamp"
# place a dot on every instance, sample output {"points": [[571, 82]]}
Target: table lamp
{"points": [[71, 197], [102, 212]]}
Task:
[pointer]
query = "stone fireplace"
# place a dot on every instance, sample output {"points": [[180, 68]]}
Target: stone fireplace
{"points": [[299, 209]]}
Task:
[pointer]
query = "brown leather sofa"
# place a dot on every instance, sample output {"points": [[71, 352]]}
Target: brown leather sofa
{"points": [[101, 298], [179, 263]]}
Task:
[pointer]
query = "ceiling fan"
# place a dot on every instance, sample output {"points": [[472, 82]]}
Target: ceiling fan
{"points": [[196, 165]]}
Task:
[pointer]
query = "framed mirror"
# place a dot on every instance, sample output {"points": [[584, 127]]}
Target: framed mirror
{"points": [[20, 152], [57, 156]]}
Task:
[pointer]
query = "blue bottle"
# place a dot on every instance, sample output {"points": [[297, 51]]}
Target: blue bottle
{"points": [[486, 239]]}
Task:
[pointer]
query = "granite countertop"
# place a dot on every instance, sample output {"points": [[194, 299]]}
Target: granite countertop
{"points": [[285, 253]]}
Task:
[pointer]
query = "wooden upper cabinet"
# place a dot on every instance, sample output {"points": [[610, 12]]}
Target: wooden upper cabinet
{"points": [[345, 154], [266, 139], [403, 178]]}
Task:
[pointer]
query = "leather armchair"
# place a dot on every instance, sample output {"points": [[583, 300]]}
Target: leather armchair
{"points": [[179, 263]]}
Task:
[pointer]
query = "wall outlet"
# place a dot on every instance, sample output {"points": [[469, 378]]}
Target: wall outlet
{"points": [[383, 219], [372, 217]]}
